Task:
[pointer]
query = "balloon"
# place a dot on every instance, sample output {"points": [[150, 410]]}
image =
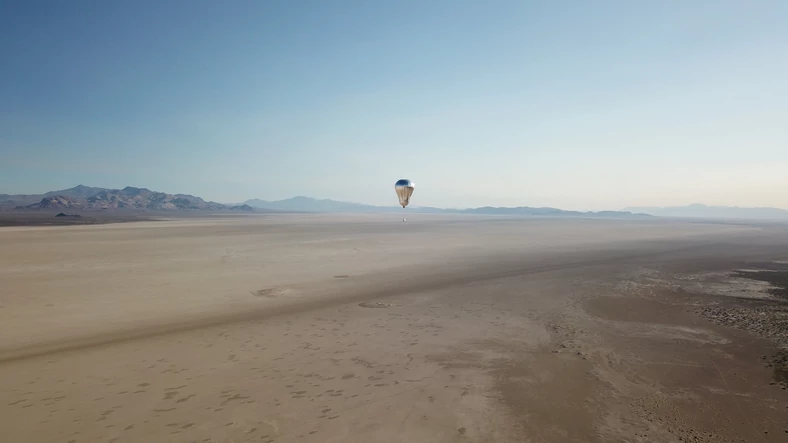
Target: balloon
{"points": [[404, 188]]}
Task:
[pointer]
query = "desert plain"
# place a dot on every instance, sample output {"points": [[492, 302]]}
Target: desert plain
{"points": [[360, 328]]}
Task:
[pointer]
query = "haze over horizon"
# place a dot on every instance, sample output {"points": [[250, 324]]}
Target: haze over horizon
{"points": [[581, 107]]}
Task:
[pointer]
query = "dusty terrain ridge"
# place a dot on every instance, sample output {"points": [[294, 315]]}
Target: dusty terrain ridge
{"points": [[310, 328]]}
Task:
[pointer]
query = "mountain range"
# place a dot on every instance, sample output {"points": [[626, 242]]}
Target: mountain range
{"points": [[698, 210], [129, 198], [88, 198], [308, 204]]}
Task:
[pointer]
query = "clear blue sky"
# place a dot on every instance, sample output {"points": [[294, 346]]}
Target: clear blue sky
{"points": [[572, 104]]}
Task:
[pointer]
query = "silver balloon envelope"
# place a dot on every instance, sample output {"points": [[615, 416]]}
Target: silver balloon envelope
{"points": [[404, 188]]}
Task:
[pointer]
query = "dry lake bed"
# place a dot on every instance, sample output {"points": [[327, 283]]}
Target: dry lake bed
{"points": [[361, 328]]}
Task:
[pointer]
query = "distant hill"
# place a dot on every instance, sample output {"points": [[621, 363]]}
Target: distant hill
{"points": [[12, 200], [550, 212], [698, 210], [308, 204], [245, 208], [77, 192]]}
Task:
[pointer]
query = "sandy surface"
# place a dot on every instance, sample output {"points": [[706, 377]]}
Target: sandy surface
{"points": [[365, 329]]}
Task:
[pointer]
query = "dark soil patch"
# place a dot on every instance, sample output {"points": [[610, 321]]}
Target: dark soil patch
{"points": [[634, 309], [49, 218], [375, 305], [268, 293], [779, 364], [774, 278]]}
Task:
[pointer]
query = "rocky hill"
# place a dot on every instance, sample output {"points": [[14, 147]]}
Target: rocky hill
{"points": [[142, 198], [131, 198], [56, 202]]}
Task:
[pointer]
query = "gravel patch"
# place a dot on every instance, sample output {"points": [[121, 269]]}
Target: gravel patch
{"points": [[769, 321], [766, 318]]}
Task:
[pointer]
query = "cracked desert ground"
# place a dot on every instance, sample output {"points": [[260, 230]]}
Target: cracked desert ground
{"points": [[361, 328]]}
